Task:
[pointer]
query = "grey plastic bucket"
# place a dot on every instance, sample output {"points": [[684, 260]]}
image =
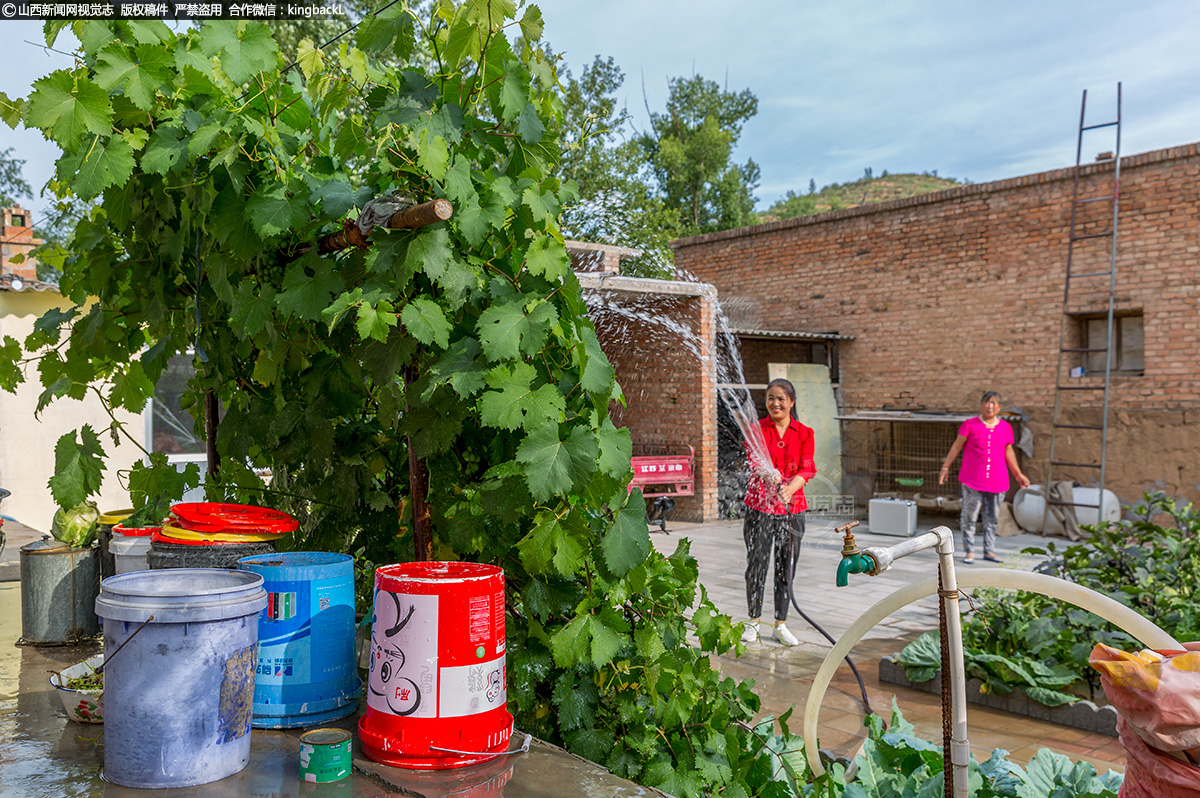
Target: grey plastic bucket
{"points": [[182, 690]]}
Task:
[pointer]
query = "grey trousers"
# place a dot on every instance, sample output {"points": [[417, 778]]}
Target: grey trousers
{"points": [[767, 534], [977, 503]]}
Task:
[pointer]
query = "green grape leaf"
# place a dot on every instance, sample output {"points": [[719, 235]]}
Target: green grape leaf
{"points": [[570, 645], [506, 332], [553, 465], [626, 543], [597, 370], [537, 547], [459, 187], [430, 252], [131, 388], [513, 402], [531, 24], [375, 321], [426, 322], [271, 211], [547, 257], [10, 364], [569, 551], [11, 110], [78, 467], [244, 48], [139, 73], [530, 126], [606, 640], [514, 92], [164, 150], [338, 196], [544, 205], [69, 108], [252, 308], [305, 295], [433, 155], [462, 367], [98, 166], [391, 28]]}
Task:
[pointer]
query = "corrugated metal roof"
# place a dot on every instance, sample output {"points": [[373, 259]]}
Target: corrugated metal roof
{"points": [[790, 334]]}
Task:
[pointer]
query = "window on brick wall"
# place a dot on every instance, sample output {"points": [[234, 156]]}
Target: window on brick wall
{"points": [[1128, 351]]}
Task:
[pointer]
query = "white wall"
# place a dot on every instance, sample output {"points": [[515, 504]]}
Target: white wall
{"points": [[27, 444]]}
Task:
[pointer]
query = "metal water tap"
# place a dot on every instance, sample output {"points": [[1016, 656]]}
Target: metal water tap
{"points": [[853, 560]]}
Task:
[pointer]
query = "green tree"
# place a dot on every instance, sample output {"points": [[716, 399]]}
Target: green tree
{"points": [[12, 181], [616, 203], [441, 393], [690, 147]]}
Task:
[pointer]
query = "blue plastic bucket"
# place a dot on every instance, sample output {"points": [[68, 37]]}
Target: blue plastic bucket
{"points": [[306, 672], [181, 689]]}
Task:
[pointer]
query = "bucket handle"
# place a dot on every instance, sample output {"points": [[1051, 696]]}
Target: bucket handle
{"points": [[524, 749]]}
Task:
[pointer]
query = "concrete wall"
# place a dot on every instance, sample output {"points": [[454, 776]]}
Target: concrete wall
{"points": [[953, 293], [659, 337], [27, 443]]}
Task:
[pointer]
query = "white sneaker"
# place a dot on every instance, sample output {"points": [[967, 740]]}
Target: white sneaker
{"points": [[785, 636], [750, 634]]}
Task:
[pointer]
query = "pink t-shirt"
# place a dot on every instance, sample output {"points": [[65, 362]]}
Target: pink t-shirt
{"points": [[983, 465]]}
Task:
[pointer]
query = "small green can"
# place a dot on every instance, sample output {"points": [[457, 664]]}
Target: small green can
{"points": [[325, 755]]}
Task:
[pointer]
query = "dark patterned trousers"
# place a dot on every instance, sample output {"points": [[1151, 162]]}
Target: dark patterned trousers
{"points": [[770, 536]]}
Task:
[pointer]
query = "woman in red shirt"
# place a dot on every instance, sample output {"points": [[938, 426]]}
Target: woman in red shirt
{"points": [[775, 506]]}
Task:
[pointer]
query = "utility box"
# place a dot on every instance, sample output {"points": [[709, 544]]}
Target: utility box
{"points": [[892, 517]]}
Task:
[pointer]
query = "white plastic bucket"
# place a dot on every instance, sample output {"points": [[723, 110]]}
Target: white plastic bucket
{"points": [[1029, 505], [181, 692], [129, 553]]}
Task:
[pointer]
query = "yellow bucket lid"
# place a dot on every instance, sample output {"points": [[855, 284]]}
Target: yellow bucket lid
{"points": [[114, 516], [179, 533]]}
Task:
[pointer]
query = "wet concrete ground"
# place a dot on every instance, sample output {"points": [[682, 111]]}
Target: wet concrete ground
{"points": [[784, 675], [44, 754]]}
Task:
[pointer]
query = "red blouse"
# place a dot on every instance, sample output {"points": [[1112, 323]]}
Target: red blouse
{"points": [[791, 455]]}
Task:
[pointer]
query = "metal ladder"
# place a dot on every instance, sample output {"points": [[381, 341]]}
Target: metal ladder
{"points": [[1072, 318]]}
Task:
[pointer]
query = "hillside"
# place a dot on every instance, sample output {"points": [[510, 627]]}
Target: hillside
{"points": [[864, 191]]}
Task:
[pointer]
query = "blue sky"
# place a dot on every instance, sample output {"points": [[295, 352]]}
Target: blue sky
{"points": [[972, 90]]}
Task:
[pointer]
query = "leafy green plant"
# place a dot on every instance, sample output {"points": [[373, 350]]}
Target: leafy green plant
{"points": [[1041, 645], [440, 394], [921, 660], [896, 762]]}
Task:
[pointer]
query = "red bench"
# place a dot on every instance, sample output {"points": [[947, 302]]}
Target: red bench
{"points": [[662, 476]]}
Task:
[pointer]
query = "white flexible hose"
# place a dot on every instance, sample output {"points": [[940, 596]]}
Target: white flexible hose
{"points": [[1108, 609]]}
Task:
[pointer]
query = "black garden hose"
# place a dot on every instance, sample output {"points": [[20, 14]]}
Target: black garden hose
{"points": [[793, 555]]}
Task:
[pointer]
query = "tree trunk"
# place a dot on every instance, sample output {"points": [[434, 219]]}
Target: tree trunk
{"points": [[211, 410]]}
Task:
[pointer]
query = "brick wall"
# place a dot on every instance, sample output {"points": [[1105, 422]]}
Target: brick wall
{"points": [[953, 293], [16, 238], [659, 337]]}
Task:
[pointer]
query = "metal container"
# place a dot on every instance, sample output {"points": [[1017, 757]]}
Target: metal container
{"points": [[59, 585], [104, 533], [325, 755]]}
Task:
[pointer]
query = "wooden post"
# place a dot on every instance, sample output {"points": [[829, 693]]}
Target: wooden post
{"points": [[438, 210]]}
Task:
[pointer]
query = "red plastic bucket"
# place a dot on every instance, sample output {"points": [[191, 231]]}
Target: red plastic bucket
{"points": [[438, 687]]}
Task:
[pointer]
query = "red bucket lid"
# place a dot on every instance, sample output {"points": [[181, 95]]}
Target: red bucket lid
{"points": [[135, 531], [233, 518]]}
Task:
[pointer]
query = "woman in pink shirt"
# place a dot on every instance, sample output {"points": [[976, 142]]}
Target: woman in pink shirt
{"points": [[987, 446]]}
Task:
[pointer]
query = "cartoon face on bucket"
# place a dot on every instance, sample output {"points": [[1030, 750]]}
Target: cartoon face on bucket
{"points": [[404, 647]]}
